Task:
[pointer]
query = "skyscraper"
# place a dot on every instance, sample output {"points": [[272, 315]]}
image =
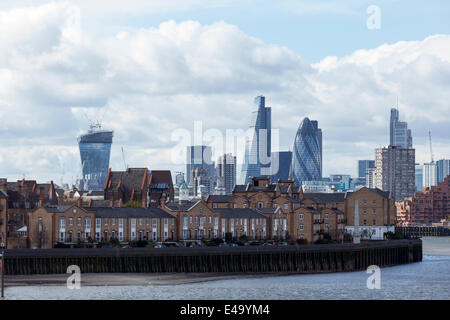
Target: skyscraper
{"points": [[95, 149], [198, 157], [307, 153], [442, 169], [395, 171], [400, 135], [226, 172], [363, 165], [429, 175], [419, 177], [284, 165], [258, 147]]}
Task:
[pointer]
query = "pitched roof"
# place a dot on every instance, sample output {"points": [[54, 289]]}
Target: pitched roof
{"points": [[160, 178], [99, 203], [219, 198], [181, 206], [239, 213], [131, 213], [325, 197]]}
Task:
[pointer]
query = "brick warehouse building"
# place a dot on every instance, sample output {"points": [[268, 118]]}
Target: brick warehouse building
{"points": [[260, 210], [431, 205]]}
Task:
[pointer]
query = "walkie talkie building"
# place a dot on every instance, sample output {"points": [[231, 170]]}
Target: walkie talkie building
{"points": [[95, 149]]}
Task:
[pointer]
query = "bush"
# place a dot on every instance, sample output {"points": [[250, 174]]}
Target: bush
{"points": [[348, 237], [243, 238], [228, 237], [138, 243], [394, 236], [61, 245], [114, 242], [302, 241]]}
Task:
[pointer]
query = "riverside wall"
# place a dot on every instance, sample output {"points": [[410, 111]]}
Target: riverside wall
{"points": [[252, 259]]}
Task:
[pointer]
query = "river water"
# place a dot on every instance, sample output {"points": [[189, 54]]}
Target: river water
{"points": [[429, 279]]}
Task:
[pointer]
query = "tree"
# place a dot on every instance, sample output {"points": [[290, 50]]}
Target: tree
{"points": [[243, 238], [133, 204], [228, 237]]}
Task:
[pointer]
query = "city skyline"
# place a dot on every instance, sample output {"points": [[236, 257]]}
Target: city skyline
{"points": [[41, 125]]}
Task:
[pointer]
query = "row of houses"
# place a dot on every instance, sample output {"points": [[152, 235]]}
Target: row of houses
{"points": [[259, 210]]}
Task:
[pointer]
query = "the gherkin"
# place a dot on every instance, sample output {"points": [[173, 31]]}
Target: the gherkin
{"points": [[307, 153]]}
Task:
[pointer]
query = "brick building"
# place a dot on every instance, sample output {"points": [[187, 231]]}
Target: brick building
{"points": [[429, 206]]}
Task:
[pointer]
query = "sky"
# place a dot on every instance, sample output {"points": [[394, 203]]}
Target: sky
{"points": [[150, 69]]}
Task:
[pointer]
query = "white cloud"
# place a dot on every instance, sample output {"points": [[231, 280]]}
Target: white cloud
{"points": [[147, 83]]}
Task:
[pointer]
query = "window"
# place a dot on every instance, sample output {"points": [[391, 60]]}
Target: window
{"points": [[79, 222], [286, 206], [147, 222], [140, 222], [374, 222], [235, 205], [190, 219], [365, 211], [113, 234], [374, 201], [301, 227], [374, 211], [260, 205], [113, 221], [106, 221], [365, 202], [70, 221], [365, 222], [300, 216], [326, 216], [214, 205]]}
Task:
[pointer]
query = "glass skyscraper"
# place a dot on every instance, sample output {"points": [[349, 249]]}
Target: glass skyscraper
{"points": [[284, 165], [307, 153], [400, 135], [258, 147], [363, 165], [199, 157], [95, 149]]}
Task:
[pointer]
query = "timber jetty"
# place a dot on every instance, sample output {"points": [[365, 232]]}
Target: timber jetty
{"points": [[253, 259]]}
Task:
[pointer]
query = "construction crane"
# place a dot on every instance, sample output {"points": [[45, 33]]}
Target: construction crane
{"points": [[431, 148], [124, 163]]}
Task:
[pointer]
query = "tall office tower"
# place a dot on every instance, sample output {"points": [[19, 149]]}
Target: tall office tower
{"points": [[95, 149], [258, 147], [315, 124], [395, 171], [429, 175], [363, 165], [179, 179], [284, 165], [199, 157], [306, 155], [419, 177], [201, 182], [370, 178], [226, 172], [442, 169], [400, 135]]}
